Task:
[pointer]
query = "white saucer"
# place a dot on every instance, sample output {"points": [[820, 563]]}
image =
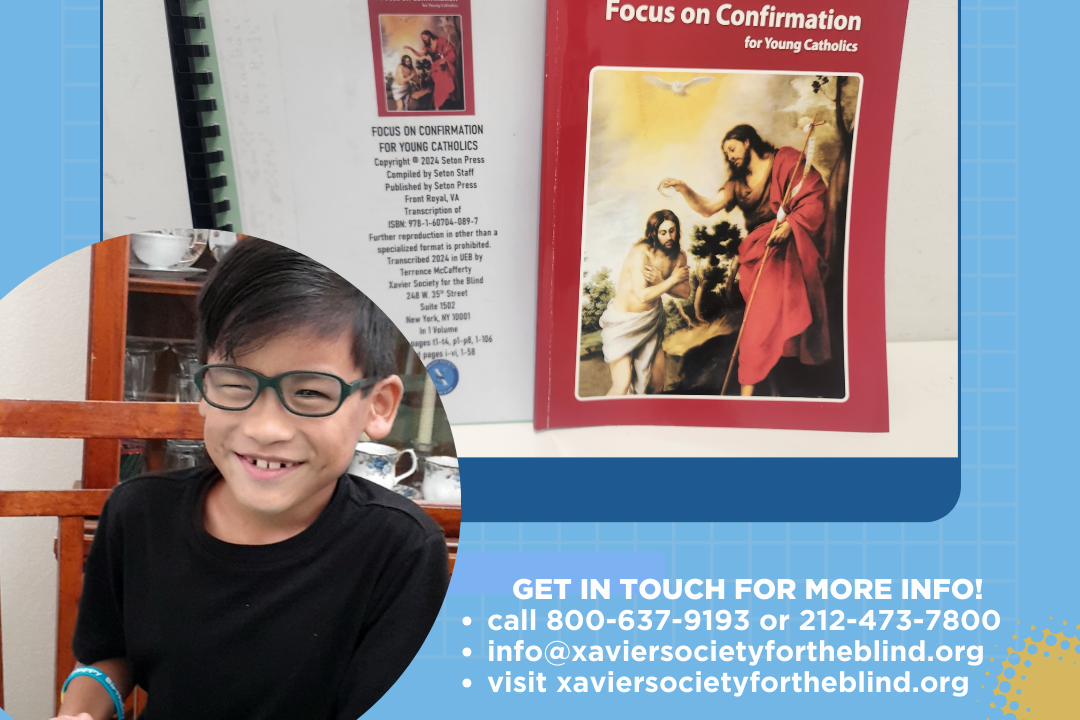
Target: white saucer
{"points": [[140, 270]]}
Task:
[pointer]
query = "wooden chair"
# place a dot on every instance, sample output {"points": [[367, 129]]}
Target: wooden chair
{"points": [[94, 421], [101, 421], [71, 507]]}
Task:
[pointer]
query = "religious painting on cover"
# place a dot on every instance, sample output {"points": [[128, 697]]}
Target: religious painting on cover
{"points": [[422, 61], [714, 234]]}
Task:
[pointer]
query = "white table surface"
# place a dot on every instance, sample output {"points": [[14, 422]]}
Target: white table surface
{"points": [[923, 417]]}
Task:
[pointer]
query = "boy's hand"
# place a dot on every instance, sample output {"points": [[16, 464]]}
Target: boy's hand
{"points": [[80, 716]]}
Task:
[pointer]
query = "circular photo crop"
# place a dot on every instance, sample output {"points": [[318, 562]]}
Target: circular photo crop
{"points": [[268, 485]]}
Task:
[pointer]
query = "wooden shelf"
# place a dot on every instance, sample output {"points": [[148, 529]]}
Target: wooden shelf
{"points": [[447, 515], [164, 287]]}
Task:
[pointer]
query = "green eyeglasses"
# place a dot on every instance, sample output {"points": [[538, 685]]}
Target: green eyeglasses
{"points": [[301, 392]]}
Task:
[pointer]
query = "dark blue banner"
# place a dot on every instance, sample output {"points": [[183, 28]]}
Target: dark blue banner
{"points": [[709, 489]]}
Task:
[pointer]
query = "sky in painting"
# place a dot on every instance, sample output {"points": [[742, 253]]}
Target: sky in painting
{"points": [[641, 134]]}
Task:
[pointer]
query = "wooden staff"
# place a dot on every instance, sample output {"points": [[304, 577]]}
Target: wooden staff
{"points": [[765, 257]]}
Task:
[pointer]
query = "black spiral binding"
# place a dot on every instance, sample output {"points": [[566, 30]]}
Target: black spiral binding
{"points": [[198, 156]]}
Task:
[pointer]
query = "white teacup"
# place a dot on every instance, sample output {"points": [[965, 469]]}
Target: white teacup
{"points": [[159, 251], [376, 462], [442, 480], [221, 242]]}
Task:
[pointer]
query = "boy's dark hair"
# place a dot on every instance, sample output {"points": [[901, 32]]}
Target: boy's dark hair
{"points": [[261, 290]]}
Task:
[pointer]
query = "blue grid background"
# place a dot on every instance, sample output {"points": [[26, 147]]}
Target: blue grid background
{"points": [[80, 125], [980, 538], [989, 287]]}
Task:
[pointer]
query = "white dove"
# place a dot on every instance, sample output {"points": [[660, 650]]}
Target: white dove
{"points": [[678, 87]]}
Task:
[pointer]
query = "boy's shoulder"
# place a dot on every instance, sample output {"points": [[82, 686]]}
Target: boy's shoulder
{"points": [[362, 513], [369, 499], [157, 490], [164, 484]]}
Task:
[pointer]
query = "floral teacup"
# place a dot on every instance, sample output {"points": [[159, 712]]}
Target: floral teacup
{"points": [[442, 481], [376, 462]]}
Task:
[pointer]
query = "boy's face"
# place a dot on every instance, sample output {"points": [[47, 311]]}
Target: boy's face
{"points": [[301, 458]]}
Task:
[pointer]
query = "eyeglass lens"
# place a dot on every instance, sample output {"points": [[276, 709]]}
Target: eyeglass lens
{"points": [[302, 393]]}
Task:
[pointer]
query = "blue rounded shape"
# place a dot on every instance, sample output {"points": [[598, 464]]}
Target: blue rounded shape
{"points": [[1032, 650], [1014, 705], [1004, 687], [444, 374], [1014, 658], [1064, 644], [1027, 663], [1009, 672]]}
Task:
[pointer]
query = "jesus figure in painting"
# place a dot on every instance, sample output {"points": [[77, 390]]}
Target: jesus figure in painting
{"points": [[444, 57], [789, 316], [632, 326]]}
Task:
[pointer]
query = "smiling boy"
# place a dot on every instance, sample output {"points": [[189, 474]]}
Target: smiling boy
{"points": [[269, 584]]}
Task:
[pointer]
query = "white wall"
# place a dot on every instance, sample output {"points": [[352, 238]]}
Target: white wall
{"points": [[143, 182], [922, 235], [43, 342]]}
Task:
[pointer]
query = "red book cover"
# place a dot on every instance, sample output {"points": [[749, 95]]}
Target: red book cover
{"points": [[712, 245]]}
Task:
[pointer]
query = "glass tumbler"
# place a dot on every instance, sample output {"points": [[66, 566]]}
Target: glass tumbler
{"points": [[180, 454], [140, 362], [186, 363]]}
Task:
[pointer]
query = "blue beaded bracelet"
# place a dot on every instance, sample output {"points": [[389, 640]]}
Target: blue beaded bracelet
{"points": [[106, 682]]}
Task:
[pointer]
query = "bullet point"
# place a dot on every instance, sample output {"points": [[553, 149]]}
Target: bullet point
{"points": [[466, 682], [466, 652], [466, 621]]}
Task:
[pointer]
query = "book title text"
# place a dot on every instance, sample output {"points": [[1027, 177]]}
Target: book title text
{"points": [[765, 17]]}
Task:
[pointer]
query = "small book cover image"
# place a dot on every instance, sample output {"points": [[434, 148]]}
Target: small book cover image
{"points": [[712, 240], [423, 57]]}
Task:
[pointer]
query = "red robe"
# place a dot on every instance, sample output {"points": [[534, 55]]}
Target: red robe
{"points": [[788, 316], [445, 78]]}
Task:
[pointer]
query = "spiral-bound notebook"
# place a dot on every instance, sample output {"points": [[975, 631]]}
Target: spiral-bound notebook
{"points": [[203, 131]]}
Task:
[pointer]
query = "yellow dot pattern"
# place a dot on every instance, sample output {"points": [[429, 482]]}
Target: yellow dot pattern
{"points": [[1040, 679]]}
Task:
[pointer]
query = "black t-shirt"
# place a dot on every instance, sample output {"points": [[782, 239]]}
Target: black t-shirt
{"points": [[317, 626]]}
